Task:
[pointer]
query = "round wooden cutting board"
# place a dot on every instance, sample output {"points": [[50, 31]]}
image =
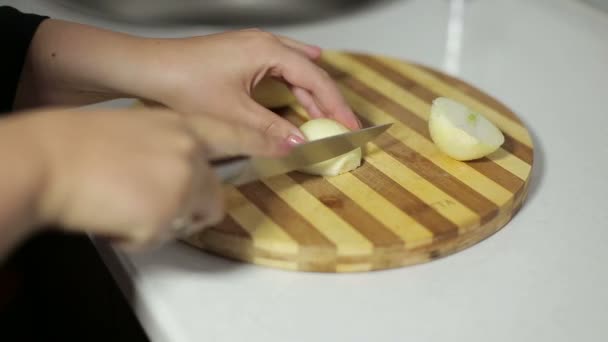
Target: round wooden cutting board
{"points": [[407, 204]]}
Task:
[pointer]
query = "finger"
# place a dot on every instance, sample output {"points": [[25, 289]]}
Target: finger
{"points": [[226, 139], [301, 72], [307, 101], [310, 51], [270, 124]]}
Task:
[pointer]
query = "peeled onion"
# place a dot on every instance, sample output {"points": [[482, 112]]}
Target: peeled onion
{"points": [[322, 128], [461, 133]]}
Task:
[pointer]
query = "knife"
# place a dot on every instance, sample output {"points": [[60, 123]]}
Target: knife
{"points": [[245, 170]]}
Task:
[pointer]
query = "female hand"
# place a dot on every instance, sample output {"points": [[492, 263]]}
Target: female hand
{"points": [[209, 75], [216, 75]]}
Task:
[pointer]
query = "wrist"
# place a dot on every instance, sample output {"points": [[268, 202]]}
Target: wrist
{"points": [[22, 182], [52, 148]]}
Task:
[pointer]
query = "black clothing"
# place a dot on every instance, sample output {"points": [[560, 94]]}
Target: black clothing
{"points": [[17, 30]]}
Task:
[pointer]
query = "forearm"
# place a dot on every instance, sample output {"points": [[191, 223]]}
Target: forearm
{"points": [[21, 180], [74, 64]]}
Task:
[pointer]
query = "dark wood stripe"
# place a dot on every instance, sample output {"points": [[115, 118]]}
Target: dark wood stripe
{"points": [[230, 226], [394, 76], [516, 148], [426, 215], [436, 176], [484, 166], [389, 105], [507, 180], [347, 209], [296, 226]]}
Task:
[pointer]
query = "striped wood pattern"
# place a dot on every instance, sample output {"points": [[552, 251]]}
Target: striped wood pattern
{"points": [[407, 204]]}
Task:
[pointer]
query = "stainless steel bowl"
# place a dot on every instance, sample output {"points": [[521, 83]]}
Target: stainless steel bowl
{"points": [[246, 12]]}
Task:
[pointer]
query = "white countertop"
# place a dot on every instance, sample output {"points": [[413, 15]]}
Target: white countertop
{"points": [[544, 277]]}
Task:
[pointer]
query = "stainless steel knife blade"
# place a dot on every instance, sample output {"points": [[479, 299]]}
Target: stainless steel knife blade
{"points": [[246, 170]]}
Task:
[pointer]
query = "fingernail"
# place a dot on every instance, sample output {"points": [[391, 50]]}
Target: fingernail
{"points": [[317, 50], [293, 140], [299, 134], [359, 122]]}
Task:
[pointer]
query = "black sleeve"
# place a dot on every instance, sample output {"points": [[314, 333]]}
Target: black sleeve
{"points": [[16, 32]]}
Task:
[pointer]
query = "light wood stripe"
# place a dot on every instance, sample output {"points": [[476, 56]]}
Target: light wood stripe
{"points": [[453, 210], [404, 226], [277, 210], [365, 95], [276, 263], [414, 104], [348, 240], [404, 200], [505, 123], [470, 177], [497, 173], [518, 149], [510, 162], [222, 243], [395, 77], [442, 180], [350, 211], [413, 233], [410, 139], [266, 234], [373, 80], [362, 267], [513, 146], [465, 197]]}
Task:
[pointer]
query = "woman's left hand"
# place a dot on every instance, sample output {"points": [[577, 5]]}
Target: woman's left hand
{"points": [[73, 64], [216, 75]]}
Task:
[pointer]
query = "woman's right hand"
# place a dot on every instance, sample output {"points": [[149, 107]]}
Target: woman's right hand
{"points": [[129, 174]]}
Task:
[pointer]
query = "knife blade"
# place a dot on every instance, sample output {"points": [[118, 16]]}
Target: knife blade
{"points": [[246, 170]]}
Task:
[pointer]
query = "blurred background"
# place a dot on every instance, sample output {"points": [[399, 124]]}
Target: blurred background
{"points": [[229, 12], [245, 12]]}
